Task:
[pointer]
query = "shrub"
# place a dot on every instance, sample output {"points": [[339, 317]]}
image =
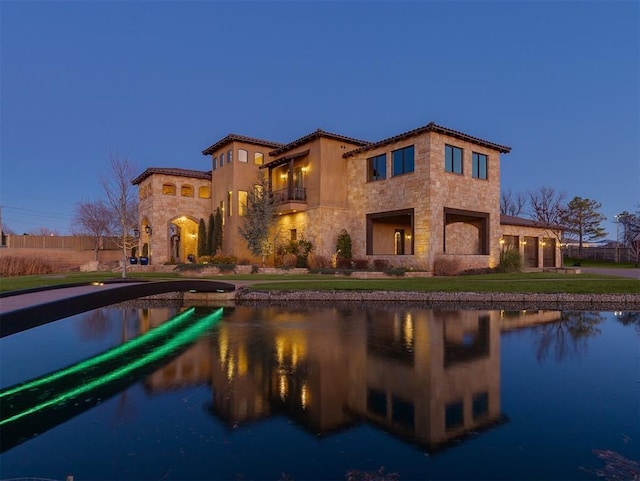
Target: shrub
{"points": [[343, 263], [221, 259], [510, 261], [343, 245], [11, 266], [446, 266], [361, 264], [289, 260], [255, 269], [381, 264], [396, 272], [318, 262]]}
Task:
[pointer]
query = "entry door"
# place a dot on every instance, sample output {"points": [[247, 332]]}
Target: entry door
{"points": [[531, 251], [549, 252]]}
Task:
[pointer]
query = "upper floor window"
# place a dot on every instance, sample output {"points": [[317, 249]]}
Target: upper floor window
{"points": [[479, 166], [186, 190], [168, 189], [377, 167], [229, 155], [258, 157], [215, 163], [453, 159], [402, 160], [243, 155], [204, 192]]}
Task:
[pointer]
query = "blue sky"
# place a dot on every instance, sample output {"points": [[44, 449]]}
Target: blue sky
{"points": [[159, 81]]}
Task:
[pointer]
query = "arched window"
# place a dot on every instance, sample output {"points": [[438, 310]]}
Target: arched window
{"points": [[186, 190], [243, 155], [168, 189]]}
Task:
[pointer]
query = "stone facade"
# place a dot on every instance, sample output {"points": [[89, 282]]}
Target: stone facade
{"points": [[323, 183]]}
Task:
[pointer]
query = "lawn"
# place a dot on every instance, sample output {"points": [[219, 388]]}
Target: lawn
{"points": [[532, 282]]}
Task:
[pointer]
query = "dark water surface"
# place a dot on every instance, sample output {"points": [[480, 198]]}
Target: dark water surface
{"points": [[321, 393]]}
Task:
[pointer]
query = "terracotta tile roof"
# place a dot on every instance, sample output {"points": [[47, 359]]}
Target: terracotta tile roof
{"points": [[430, 127], [519, 221], [239, 138], [315, 135], [194, 174]]}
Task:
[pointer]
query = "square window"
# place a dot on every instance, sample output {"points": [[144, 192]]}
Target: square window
{"points": [[402, 160], [377, 167]]}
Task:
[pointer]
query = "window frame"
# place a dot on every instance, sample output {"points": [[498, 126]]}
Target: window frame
{"points": [[476, 164], [371, 167], [450, 164], [403, 160]]}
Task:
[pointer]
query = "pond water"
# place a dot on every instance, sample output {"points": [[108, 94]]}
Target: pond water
{"points": [[358, 392]]}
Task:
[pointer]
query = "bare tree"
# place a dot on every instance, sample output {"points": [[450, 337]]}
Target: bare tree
{"points": [[43, 231], [512, 204], [94, 219], [547, 205], [122, 199], [631, 233]]}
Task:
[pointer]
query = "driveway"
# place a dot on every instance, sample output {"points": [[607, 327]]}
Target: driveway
{"points": [[633, 273]]}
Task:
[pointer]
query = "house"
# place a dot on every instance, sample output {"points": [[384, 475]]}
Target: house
{"points": [[410, 199]]}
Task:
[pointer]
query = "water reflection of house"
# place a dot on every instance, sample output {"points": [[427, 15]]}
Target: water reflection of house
{"points": [[427, 377]]}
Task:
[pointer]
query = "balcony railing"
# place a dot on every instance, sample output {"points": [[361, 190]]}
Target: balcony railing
{"points": [[297, 194]]}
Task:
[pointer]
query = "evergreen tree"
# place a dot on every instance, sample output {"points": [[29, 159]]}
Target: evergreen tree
{"points": [[259, 219], [210, 228], [202, 238], [582, 221], [217, 232]]}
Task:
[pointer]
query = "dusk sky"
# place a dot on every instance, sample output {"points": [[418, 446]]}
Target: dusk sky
{"points": [[158, 82]]}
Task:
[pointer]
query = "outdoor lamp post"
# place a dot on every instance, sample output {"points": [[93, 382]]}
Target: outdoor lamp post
{"points": [[617, 217]]}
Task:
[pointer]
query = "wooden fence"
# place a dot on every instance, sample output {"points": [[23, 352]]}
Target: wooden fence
{"points": [[60, 242]]}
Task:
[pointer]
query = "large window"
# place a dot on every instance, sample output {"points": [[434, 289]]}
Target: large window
{"points": [[258, 157], [242, 202], [402, 160], [479, 166], [377, 167], [453, 159], [243, 155]]}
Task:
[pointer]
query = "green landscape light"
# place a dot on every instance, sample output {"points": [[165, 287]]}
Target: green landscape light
{"points": [[187, 336]]}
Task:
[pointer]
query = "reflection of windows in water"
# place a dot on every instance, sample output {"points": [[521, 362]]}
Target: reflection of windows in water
{"points": [[473, 345], [453, 415], [480, 405], [391, 335], [402, 412], [377, 402]]}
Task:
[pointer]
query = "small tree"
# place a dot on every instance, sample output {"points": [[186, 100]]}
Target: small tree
{"points": [[343, 249], [217, 232], [210, 229], [122, 199], [259, 220], [582, 220], [202, 238], [96, 220]]}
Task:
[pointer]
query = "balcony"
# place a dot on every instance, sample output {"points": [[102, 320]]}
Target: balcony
{"points": [[290, 200]]}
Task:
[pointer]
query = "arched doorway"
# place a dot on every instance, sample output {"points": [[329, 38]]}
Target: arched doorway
{"points": [[183, 239]]}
